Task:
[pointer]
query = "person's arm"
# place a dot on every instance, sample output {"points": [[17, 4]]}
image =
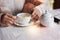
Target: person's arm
{"points": [[41, 8], [35, 2], [6, 17], [4, 10], [38, 11], [48, 17]]}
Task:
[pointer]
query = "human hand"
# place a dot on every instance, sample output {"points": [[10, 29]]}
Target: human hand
{"points": [[35, 15], [7, 19]]}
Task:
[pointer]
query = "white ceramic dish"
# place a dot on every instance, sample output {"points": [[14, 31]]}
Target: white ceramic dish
{"points": [[22, 19]]}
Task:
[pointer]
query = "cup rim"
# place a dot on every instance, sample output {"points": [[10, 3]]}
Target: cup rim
{"points": [[21, 13], [22, 18]]}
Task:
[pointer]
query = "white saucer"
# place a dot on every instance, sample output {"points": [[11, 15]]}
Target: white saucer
{"points": [[20, 25], [21, 20]]}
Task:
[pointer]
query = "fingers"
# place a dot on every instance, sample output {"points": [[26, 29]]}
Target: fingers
{"points": [[11, 16], [35, 16], [34, 12], [7, 23], [8, 19]]}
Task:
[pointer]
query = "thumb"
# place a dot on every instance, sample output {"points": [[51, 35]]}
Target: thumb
{"points": [[14, 17]]}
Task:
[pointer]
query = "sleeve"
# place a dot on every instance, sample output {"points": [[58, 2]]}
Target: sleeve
{"points": [[0, 17], [41, 8], [4, 9]]}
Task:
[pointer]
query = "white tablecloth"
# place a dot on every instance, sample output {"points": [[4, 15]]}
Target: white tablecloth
{"points": [[56, 13], [22, 33]]}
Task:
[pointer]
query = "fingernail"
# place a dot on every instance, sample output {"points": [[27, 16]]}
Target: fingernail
{"points": [[14, 16], [8, 24], [11, 22]]}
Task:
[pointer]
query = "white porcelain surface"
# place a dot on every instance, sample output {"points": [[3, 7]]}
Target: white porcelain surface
{"points": [[23, 20]]}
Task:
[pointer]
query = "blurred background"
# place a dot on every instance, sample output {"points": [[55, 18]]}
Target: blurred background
{"points": [[53, 4], [56, 4]]}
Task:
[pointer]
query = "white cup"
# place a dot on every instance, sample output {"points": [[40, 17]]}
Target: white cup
{"points": [[23, 18]]}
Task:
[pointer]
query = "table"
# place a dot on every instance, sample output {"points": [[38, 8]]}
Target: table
{"points": [[57, 16], [23, 33], [56, 13]]}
